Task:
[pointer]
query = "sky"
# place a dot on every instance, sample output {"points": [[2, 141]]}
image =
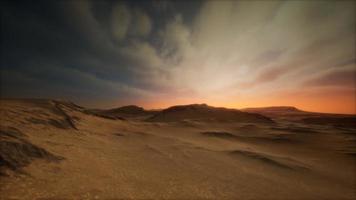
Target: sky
{"points": [[161, 53]]}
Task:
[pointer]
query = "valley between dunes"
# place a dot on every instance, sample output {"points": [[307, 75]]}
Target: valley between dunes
{"points": [[58, 150]]}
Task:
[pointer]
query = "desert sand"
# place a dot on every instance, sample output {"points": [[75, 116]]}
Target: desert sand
{"points": [[57, 150]]}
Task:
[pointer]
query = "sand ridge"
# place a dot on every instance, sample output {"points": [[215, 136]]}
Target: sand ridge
{"points": [[66, 152]]}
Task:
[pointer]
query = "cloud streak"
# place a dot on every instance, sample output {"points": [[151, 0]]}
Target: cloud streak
{"points": [[211, 51]]}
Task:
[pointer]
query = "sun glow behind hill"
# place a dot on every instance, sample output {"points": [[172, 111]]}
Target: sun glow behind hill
{"points": [[314, 102]]}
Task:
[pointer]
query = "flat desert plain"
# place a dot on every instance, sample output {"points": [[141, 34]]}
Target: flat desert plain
{"points": [[52, 149]]}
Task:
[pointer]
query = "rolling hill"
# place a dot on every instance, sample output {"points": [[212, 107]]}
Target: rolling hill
{"points": [[203, 112]]}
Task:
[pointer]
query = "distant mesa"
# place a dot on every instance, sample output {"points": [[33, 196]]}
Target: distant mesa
{"points": [[294, 114], [203, 112], [273, 109]]}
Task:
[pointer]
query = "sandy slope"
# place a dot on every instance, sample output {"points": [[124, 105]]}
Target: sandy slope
{"points": [[74, 155]]}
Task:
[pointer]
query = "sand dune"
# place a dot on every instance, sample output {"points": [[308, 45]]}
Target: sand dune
{"points": [[348, 121], [224, 135], [58, 150], [294, 114], [126, 112], [274, 161], [16, 151]]}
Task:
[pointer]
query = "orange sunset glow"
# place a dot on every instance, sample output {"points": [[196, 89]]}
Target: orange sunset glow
{"points": [[178, 99], [326, 103]]}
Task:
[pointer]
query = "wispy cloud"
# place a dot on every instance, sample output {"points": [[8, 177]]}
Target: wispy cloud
{"points": [[211, 50]]}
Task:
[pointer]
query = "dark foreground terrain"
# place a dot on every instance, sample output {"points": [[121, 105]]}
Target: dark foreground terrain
{"points": [[58, 150]]}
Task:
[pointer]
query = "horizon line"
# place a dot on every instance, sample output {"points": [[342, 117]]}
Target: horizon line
{"points": [[211, 105]]}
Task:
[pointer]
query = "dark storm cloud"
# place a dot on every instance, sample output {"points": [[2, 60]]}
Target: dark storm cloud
{"points": [[113, 50], [83, 47], [60, 45]]}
